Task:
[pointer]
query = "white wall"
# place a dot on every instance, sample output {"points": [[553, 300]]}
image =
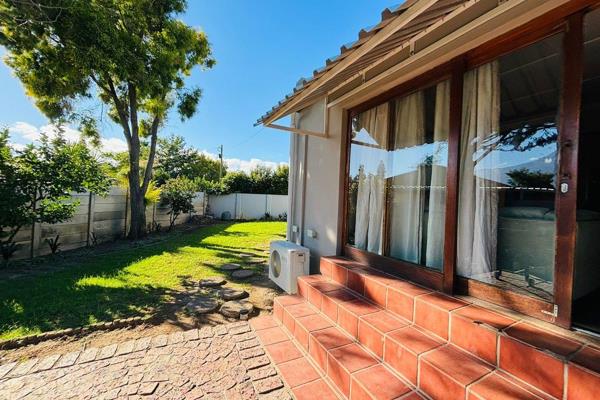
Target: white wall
{"points": [[248, 205], [316, 167]]}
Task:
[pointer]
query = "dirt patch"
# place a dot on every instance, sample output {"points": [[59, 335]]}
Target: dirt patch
{"points": [[171, 318]]}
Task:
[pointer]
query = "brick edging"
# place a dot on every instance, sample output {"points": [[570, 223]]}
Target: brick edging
{"points": [[16, 343]]}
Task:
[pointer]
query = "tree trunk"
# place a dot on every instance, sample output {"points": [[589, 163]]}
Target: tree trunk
{"points": [[137, 228]]}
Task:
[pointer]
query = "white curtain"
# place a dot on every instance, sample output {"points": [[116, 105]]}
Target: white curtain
{"points": [[434, 253], [479, 173], [371, 179], [408, 188]]}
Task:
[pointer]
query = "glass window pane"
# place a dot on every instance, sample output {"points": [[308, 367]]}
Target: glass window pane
{"points": [[417, 177], [586, 288], [508, 166], [368, 166]]}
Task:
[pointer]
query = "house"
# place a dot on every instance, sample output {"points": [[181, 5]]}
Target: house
{"points": [[443, 168]]}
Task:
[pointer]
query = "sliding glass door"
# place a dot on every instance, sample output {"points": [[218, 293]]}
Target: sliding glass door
{"points": [[508, 170]]}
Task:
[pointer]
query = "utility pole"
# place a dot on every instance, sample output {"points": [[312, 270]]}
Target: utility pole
{"points": [[220, 148]]}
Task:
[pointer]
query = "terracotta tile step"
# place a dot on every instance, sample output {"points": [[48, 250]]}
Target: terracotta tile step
{"points": [[527, 352]]}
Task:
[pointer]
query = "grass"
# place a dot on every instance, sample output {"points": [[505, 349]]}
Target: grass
{"points": [[125, 283]]}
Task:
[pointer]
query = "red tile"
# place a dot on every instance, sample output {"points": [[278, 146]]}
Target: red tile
{"points": [[323, 340], [314, 390], [263, 322], [283, 351], [531, 365], [312, 278], [339, 274], [543, 339], [303, 287], [278, 311], [356, 281], [325, 268], [499, 386], [445, 372], [373, 327], [290, 313], [272, 335], [298, 372], [345, 360], [289, 300], [400, 298], [582, 383], [314, 296], [588, 357], [305, 325], [411, 396], [475, 329], [350, 311], [329, 304], [432, 312], [376, 291], [376, 383], [326, 286], [403, 347]]}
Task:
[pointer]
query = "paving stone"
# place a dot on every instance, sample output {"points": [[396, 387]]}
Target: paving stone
{"points": [[242, 274], [268, 385], [87, 356], [233, 308], [6, 368], [246, 255], [230, 267], [202, 305], [212, 282], [262, 373], [210, 363], [228, 293]]}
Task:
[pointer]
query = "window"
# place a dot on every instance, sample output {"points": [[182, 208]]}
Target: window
{"points": [[398, 177], [507, 169], [417, 176]]}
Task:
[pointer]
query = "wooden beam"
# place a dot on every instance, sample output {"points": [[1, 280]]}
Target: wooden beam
{"points": [[296, 130], [398, 23]]}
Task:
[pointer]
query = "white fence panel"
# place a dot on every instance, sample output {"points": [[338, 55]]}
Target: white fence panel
{"points": [[244, 206]]}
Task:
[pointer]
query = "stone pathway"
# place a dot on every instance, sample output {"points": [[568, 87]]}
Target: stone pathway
{"points": [[223, 362]]}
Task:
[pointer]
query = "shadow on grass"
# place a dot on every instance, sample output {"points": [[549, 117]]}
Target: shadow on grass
{"points": [[59, 300]]}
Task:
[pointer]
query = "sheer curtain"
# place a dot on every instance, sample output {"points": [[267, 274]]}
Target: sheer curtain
{"points": [[371, 178], [408, 188], [434, 253], [479, 174]]}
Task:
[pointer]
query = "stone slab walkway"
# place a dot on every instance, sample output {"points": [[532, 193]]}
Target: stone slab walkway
{"points": [[223, 362]]}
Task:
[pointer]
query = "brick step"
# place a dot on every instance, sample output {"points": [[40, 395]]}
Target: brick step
{"points": [[373, 308]]}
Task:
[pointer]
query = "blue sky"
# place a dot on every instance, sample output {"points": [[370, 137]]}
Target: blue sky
{"points": [[262, 48]]}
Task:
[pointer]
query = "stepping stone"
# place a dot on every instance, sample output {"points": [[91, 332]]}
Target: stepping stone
{"points": [[255, 261], [202, 305], [232, 294], [233, 308], [246, 255], [212, 282], [230, 267], [242, 273]]}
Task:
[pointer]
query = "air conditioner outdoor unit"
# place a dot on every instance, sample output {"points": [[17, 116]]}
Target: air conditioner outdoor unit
{"points": [[288, 261]]}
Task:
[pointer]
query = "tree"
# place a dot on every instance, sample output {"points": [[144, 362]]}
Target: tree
{"points": [[237, 182], [176, 159], [178, 194], [36, 183], [261, 178], [279, 184], [132, 55]]}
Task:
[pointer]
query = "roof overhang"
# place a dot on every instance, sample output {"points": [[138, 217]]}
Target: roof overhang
{"points": [[406, 43]]}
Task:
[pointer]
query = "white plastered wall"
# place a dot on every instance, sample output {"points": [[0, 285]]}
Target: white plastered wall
{"points": [[315, 165]]}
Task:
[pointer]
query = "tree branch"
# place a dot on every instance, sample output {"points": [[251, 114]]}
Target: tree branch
{"points": [[150, 163], [133, 116], [120, 109]]}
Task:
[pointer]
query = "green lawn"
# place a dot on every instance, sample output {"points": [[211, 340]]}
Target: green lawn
{"points": [[125, 283]]}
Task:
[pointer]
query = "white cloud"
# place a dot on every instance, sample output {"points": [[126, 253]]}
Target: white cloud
{"points": [[236, 164], [30, 133]]}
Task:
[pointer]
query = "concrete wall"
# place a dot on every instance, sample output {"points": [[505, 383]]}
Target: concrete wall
{"points": [[248, 205], [316, 166], [105, 218]]}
